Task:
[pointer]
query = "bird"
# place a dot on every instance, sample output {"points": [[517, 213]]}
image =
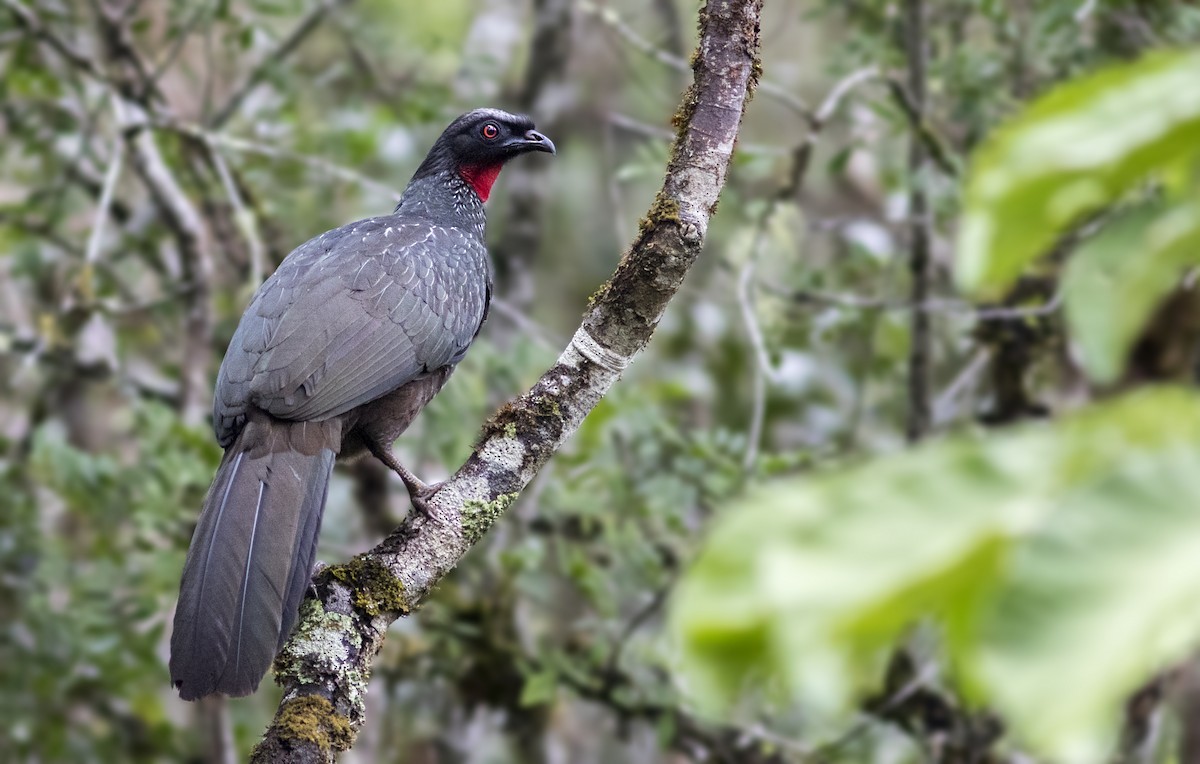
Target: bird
{"points": [[337, 352]]}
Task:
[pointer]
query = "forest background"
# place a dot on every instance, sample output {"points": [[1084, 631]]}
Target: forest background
{"points": [[907, 473]]}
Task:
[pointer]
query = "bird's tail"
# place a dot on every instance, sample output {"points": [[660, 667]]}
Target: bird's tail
{"points": [[251, 555]]}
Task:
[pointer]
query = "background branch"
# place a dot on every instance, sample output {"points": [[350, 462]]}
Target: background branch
{"points": [[288, 45], [919, 227]]}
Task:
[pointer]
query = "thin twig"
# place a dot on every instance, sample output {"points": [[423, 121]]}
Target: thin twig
{"points": [[181, 38], [111, 175], [1084, 11], [920, 229], [919, 123], [865, 721], [763, 368], [276, 55], [181, 216], [932, 305], [638, 127], [611, 19], [643, 614], [535, 331], [840, 90], [943, 405], [253, 147], [243, 216], [91, 255], [1142, 726], [28, 19]]}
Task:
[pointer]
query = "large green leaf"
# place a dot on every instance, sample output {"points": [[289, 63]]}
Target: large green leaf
{"points": [[1115, 280], [1075, 150], [1063, 561]]}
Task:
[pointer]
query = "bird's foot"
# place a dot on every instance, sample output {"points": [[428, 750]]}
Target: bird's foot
{"points": [[419, 492], [420, 495]]}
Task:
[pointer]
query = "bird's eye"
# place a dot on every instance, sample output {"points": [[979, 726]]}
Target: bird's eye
{"points": [[490, 131]]}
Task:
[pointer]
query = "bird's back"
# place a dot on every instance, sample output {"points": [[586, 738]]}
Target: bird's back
{"points": [[352, 315]]}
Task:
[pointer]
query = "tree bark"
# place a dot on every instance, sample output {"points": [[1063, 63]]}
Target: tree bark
{"points": [[325, 666]]}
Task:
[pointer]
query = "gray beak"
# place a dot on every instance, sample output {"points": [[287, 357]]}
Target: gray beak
{"points": [[535, 141]]}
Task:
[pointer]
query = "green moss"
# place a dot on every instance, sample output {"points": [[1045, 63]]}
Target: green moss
{"points": [[756, 71], [598, 295], [687, 107], [312, 719], [478, 515], [664, 209], [375, 589], [523, 417], [544, 406]]}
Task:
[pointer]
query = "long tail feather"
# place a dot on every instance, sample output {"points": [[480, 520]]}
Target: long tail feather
{"points": [[251, 557]]}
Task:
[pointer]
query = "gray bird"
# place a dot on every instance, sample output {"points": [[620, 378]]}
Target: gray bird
{"points": [[337, 353]]}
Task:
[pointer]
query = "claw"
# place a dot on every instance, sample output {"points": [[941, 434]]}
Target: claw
{"points": [[419, 492], [420, 497]]}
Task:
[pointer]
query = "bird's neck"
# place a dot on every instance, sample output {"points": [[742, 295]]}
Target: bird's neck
{"points": [[446, 198], [480, 177]]}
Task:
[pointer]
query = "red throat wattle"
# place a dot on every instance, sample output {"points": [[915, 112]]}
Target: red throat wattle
{"points": [[480, 177]]}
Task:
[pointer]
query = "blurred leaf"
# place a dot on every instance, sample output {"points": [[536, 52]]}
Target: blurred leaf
{"points": [[539, 689], [1060, 556], [1115, 280], [1080, 147]]}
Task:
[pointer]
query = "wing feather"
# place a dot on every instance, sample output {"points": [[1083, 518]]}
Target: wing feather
{"points": [[350, 316]]}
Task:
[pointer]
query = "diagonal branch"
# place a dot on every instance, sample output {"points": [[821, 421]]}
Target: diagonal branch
{"points": [[606, 15], [324, 667], [26, 18], [276, 55], [185, 223]]}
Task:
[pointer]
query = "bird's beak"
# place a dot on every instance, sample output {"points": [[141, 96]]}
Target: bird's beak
{"points": [[535, 141]]}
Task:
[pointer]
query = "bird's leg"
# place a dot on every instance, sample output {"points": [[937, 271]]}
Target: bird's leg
{"points": [[419, 492]]}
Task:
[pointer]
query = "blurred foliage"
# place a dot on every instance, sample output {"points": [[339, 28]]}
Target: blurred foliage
{"points": [[1078, 149], [785, 357], [91, 552], [1110, 295], [1060, 560]]}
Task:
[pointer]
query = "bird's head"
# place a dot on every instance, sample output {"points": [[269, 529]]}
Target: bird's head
{"points": [[477, 144]]}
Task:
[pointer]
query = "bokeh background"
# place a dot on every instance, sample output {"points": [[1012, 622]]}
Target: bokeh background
{"points": [[158, 159]]}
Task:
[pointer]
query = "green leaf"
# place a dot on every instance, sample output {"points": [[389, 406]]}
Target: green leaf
{"points": [[540, 688], [1114, 281], [1060, 560], [1075, 150]]}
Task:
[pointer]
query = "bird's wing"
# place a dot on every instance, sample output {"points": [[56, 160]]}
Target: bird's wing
{"points": [[350, 316]]}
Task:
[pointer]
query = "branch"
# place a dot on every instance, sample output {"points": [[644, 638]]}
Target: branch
{"points": [[516, 252], [920, 225], [611, 19], [276, 55], [245, 146], [182, 218], [324, 667], [946, 730], [1142, 727], [243, 217], [919, 122], [32, 24], [111, 175]]}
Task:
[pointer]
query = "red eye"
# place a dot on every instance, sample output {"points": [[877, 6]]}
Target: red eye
{"points": [[490, 131]]}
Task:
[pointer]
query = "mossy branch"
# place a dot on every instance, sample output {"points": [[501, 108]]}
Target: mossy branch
{"points": [[324, 667]]}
